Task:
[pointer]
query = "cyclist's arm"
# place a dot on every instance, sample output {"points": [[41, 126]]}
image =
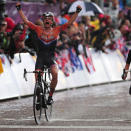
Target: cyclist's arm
{"points": [[23, 17]]}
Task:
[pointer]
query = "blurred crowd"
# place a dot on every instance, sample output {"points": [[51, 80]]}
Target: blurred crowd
{"points": [[102, 32]]}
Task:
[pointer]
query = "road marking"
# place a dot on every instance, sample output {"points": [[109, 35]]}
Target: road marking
{"points": [[71, 120], [66, 127], [86, 120]]}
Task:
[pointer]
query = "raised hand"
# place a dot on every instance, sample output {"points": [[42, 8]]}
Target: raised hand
{"points": [[23, 17]]}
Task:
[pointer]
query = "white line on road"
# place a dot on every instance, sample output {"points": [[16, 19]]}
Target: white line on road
{"points": [[73, 120], [66, 127], [90, 120]]}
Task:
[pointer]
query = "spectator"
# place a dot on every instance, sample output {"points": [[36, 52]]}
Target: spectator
{"points": [[10, 23], [17, 39], [88, 27], [127, 22], [100, 36], [75, 37], [115, 4], [120, 18], [124, 31], [4, 39], [129, 14], [95, 22]]}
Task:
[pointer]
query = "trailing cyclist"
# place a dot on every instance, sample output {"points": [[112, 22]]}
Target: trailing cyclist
{"points": [[126, 68], [128, 61], [47, 40]]}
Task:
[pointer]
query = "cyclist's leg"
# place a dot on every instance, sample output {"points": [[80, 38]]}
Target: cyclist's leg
{"points": [[54, 73], [38, 66]]}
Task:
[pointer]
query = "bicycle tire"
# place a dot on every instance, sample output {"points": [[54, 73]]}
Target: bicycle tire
{"points": [[48, 109], [37, 113]]}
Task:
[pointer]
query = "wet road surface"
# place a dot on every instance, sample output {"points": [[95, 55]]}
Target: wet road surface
{"points": [[95, 108]]}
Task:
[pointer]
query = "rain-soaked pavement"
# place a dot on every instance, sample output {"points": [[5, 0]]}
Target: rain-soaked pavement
{"points": [[95, 108]]}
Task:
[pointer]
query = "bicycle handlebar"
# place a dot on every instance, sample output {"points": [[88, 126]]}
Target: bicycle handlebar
{"points": [[25, 72], [125, 73]]}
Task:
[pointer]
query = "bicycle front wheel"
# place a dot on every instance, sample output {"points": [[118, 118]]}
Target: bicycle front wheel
{"points": [[48, 112], [48, 109], [37, 104]]}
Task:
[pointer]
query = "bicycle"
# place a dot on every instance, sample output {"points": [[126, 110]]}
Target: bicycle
{"points": [[123, 75], [41, 93]]}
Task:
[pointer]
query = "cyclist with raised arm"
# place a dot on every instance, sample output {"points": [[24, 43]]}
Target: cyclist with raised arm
{"points": [[126, 68], [47, 36]]}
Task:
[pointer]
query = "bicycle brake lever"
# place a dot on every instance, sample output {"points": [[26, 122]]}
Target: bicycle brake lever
{"points": [[25, 74]]}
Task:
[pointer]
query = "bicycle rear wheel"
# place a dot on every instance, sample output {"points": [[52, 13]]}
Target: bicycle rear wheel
{"points": [[48, 109], [37, 104]]}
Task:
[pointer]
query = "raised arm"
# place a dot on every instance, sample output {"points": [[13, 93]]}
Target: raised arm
{"points": [[74, 16], [23, 17]]}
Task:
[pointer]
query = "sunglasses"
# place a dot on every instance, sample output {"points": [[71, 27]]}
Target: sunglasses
{"points": [[47, 17]]}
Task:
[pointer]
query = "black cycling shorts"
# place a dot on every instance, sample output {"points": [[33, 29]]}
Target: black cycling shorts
{"points": [[41, 61]]}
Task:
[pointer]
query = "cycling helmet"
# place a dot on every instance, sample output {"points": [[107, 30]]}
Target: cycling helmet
{"points": [[48, 14]]}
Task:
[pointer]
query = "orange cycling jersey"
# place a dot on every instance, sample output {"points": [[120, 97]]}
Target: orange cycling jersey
{"points": [[43, 35], [46, 43]]}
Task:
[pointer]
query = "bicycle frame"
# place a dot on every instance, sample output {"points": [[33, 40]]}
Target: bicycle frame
{"points": [[44, 93]]}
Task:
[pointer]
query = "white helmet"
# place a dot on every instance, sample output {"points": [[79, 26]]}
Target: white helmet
{"points": [[48, 14]]}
